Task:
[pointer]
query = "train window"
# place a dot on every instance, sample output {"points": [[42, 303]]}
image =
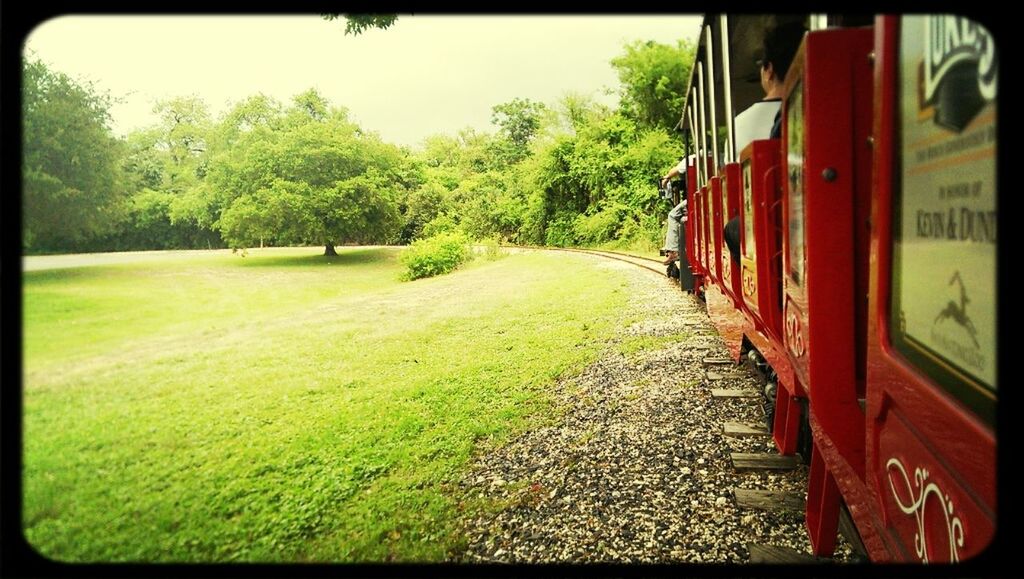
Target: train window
{"points": [[795, 163], [749, 247], [943, 313]]}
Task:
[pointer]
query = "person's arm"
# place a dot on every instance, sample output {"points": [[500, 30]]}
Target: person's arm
{"points": [[674, 171]]}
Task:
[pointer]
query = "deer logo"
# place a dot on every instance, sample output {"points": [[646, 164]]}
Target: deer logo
{"points": [[958, 312]]}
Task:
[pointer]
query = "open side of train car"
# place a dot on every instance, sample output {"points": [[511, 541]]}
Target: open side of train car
{"points": [[866, 276]]}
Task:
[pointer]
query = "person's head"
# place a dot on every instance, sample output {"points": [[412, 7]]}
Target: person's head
{"points": [[780, 46]]}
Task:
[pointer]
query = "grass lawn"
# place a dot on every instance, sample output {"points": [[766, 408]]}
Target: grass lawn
{"points": [[285, 406]]}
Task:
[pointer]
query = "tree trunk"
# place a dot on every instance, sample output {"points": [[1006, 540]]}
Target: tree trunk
{"points": [[330, 249]]}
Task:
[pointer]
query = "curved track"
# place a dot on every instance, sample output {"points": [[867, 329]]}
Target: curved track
{"points": [[650, 263]]}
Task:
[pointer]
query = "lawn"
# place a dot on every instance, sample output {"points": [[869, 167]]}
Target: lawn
{"points": [[285, 406]]}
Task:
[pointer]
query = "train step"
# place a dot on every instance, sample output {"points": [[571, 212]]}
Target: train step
{"points": [[769, 500]]}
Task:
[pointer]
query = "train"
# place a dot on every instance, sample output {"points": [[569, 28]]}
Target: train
{"points": [[866, 281]]}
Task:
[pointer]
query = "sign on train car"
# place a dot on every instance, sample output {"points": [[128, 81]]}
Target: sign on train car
{"points": [[944, 260], [932, 379]]}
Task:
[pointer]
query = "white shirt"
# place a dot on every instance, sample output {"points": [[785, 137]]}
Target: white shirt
{"points": [[755, 123], [681, 167]]}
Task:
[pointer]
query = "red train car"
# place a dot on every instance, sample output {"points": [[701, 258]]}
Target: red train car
{"points": [[865, 277]]}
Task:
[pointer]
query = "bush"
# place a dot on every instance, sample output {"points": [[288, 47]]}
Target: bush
{"points": [[601, 226], [435, 255], [438, 225], [646, 231], [560, 232], [492, 249]]}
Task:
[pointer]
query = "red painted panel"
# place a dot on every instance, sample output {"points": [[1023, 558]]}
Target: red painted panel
{"points": [[922, 497], [860, 502], [698, 226], [691, 212], [931, 459], [714, 198], [731, 198], [709, 249], [828, 103], [761, 280]]}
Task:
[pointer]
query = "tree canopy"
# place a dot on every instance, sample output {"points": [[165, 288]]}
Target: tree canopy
{"points": [[518, 121], [316, 179], [355, 24], [653, 78], [72, 183], [268, 173]]}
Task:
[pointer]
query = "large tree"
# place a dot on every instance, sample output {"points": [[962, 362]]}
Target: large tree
{"points": [[184, 130], [318, 178], [653, 77], [71, 187], [518, 122]]}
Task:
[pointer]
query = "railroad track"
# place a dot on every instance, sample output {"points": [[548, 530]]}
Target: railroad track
{"points": [[724, 369], [746, 499], [650, 263]]}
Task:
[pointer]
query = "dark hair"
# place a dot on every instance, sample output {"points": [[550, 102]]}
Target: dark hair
{"points": [[780, 46]]}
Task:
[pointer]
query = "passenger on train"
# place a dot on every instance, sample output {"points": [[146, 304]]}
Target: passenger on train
{"points": [[676, 217], [780, 46]]}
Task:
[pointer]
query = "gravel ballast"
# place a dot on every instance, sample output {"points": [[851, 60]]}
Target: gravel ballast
{"points": [[636, 468]]}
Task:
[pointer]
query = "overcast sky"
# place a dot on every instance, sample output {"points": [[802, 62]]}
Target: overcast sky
{"points": [[425, 74]]}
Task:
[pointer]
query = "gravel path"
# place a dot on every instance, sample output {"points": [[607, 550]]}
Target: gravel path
{"points": [[636, 470]]}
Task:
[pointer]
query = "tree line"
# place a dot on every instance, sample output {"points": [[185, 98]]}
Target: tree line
{"points": [[266, 173]]}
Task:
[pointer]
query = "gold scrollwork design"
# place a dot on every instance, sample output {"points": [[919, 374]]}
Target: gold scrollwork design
{"points": [[794, 333], [749, 287]]}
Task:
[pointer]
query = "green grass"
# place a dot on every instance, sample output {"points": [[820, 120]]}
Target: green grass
{"points": [[634, 246], [285, 406]]}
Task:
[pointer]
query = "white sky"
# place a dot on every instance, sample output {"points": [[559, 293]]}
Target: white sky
{"points": [[424, 75]]}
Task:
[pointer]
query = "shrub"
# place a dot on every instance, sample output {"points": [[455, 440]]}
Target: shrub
{"points": [[438, 225], [560, 231], [643, 232], [601, 226], [435, 255], [492, 249]]}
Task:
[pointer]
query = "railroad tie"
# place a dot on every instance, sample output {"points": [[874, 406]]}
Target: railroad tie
{"points": [[718, 361], [769, 500], [739, 429], [731, 376], [760, 461], [726, 393], [775, 554]]}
